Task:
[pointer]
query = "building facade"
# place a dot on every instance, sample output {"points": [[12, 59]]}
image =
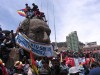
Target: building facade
{"points": [[72, 42], [91, 47], [61, 46]]}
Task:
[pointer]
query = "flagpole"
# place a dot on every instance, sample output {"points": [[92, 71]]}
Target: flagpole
{"points": [[31, 57], [61, 57], [41, 5], [47, 13], [54, 27]]}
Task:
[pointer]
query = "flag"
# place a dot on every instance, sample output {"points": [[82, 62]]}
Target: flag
{"points": [[70, 61], [21, 12], [33, 63]]}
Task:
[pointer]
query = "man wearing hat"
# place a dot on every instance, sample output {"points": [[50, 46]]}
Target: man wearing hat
{"points": [[18, 66]]}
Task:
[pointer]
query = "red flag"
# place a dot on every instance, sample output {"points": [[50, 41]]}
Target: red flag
{"points": [[89, 60], [33, 62], [70, 61], [32, 58]]}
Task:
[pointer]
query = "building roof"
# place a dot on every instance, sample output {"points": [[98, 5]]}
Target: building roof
{"points": [[91, 46]]}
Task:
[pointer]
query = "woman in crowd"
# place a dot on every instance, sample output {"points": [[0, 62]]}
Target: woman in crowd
{"points": [[45, 69]]}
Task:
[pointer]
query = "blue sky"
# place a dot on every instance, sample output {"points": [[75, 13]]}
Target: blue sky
{"points": [[82, 16]]}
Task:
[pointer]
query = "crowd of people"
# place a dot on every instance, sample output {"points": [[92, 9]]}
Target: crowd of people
{"points": [[81, 54], [7, 41], [50, 66], [46, 66], [34, 12]]}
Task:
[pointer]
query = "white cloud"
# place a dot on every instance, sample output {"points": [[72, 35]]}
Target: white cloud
{"points": [[80, 15]]}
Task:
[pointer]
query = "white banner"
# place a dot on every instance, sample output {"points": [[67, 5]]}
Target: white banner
{"points": [[76, 62], [38, 49], [79, 61]]}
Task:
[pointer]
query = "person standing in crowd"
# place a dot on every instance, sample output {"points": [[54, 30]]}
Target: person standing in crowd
{"points": [[1, 36], [95, 69], [10, 70], [64, 68], [21, 30], [34, 9], [28, 11], [25, 60], [39, 62], [12, 36], [86, 69], [26, 66], [4, 53], [42, 15], [9, 40], [3, 70], [55, 68], [45, 69], [21, 54], [18, 68]]}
